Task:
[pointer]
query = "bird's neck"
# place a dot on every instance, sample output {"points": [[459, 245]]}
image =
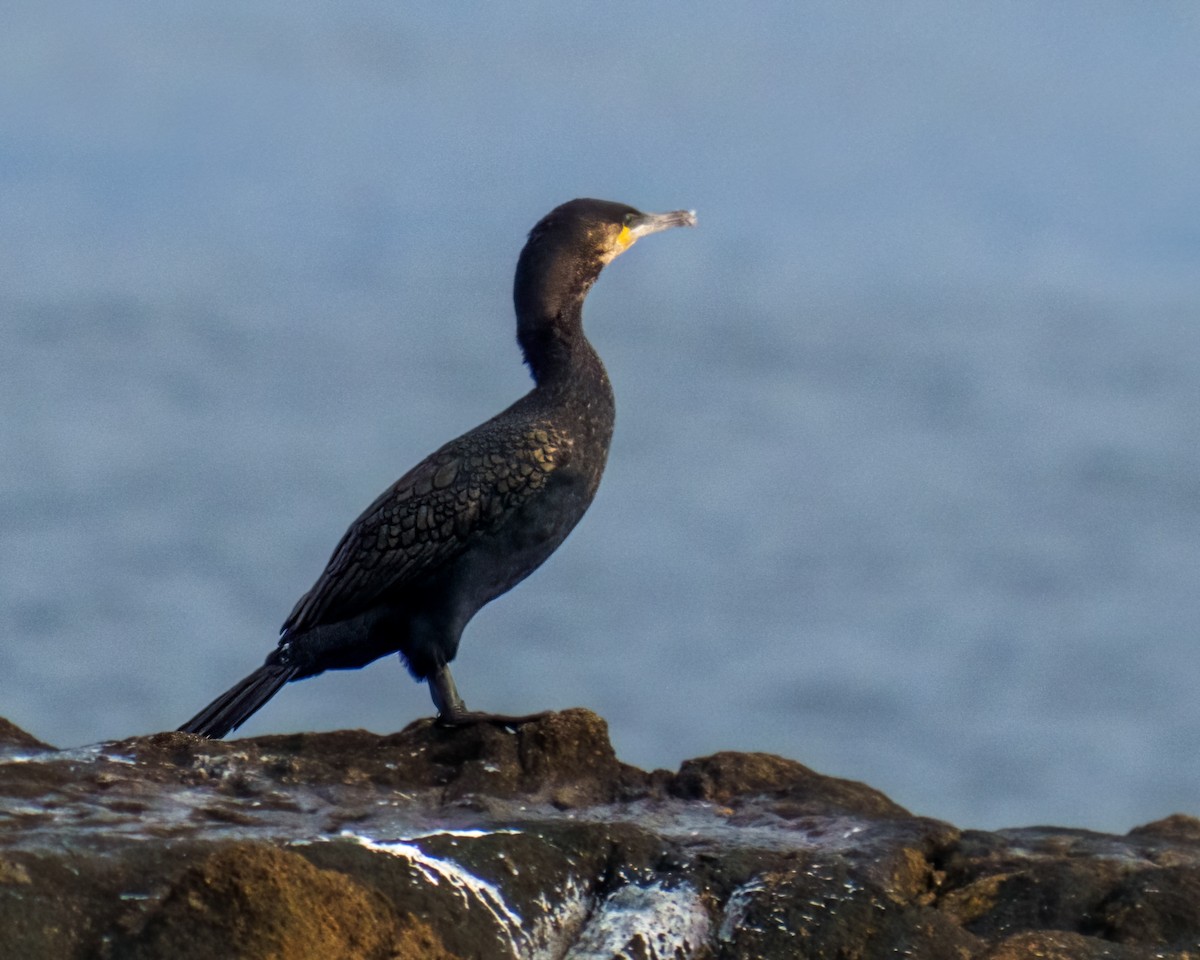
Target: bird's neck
{"points": [[554, 347], [549, 304]]}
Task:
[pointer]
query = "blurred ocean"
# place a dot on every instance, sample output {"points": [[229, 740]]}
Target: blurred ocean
{"points": [[906, 481]]}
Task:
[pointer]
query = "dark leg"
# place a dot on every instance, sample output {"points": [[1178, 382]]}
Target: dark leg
{"points": [[446, 700], [452, 712]]}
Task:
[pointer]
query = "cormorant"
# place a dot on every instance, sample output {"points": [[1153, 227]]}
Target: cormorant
{"points": [[476, 517]]}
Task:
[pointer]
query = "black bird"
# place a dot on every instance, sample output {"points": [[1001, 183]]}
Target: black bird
{"points": [[476, 517]]}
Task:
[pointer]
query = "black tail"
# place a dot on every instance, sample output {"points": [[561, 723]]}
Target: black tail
{"points": [[235, 706]]}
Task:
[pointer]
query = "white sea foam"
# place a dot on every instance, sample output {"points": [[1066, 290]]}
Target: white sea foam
{"points": [[469, 888], [655, 922]]}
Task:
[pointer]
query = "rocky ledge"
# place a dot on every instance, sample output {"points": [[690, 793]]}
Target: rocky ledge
{"points": [[492, 844]]}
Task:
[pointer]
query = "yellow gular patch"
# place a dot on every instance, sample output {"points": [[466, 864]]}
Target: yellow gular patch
{"points": [[625, 238]]}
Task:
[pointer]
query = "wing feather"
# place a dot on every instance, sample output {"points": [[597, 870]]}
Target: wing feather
{"points": [[429, 516]]}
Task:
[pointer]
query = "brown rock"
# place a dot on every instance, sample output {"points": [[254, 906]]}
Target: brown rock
{"points": [[539, 842], [1177, 827], [1060, 945], [1058, 895], [252, 901], [795, 789], [821, 910], [13, 736], [1159, 907], [13, 872], [564, 758]]}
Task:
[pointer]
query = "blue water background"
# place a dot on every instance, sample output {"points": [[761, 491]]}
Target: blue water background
{"points": [[906, 480]]}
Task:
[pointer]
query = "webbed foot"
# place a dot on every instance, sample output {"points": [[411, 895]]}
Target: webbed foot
{"points": [[467, 718], [452, 712]]}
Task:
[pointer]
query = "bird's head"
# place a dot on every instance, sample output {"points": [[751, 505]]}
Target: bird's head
{"points": [[569, 247], [564, 255], [601, 229]]}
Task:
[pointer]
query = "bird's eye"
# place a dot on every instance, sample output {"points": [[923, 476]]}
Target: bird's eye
{"points": [[628, 218]]}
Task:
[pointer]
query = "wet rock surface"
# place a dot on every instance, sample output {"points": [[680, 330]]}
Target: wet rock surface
{"points": [[487, 843]]}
